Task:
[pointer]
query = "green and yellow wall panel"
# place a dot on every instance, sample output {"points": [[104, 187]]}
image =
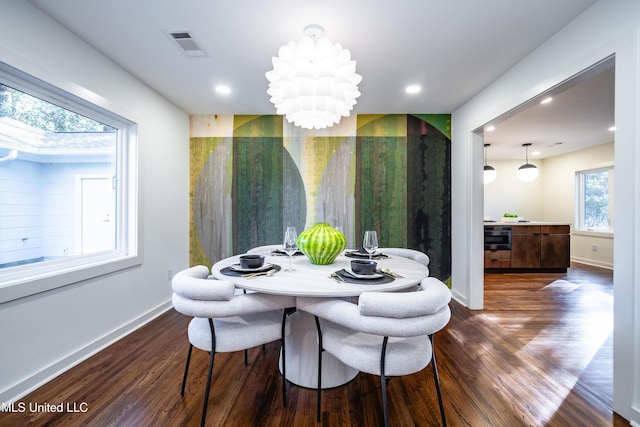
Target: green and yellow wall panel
{"points": [[252, 176]]}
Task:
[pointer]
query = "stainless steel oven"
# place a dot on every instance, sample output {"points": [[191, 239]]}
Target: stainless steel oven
{"points": [[497, 237]]}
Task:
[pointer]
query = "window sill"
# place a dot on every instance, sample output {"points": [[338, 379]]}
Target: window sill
{"points": [[18, 285], [593, 233]]}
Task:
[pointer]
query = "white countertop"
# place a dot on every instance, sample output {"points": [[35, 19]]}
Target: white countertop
{"points": [[526, 223]]}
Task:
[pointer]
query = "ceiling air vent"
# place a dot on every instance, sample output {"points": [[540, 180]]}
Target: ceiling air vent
{"points": [[186, 43]]}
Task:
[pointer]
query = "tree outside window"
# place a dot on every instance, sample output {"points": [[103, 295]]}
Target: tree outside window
{"points": [[43, 115], [594, 199]]}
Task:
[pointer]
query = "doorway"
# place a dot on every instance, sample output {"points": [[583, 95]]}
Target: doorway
{"points": [[552, 197]]}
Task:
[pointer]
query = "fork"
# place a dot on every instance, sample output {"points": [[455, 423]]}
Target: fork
{"points": [[392, 274], [336, 277], [267, 273]]}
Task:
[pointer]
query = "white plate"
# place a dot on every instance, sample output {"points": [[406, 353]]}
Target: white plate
{"points": [[364, 276], [510, 218], [266, 266]]}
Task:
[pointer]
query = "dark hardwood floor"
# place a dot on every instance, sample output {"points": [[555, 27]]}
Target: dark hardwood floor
{"points": [[539, 354]]}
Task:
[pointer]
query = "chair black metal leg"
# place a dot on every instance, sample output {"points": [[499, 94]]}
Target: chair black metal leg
{"points": [[284, 360], [434, 369], [209, 375], [383, 381], [246, 351], [186, 370], [319, 391]]}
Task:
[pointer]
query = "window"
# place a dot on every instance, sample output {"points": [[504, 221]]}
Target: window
{"points": [[67, 194], [594, 199]]}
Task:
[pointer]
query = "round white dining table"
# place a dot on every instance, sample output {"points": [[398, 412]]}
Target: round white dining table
{"points": [[312, 280]]}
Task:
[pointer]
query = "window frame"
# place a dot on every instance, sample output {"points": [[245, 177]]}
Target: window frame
{"points": [[22, 281], [579, 201]]}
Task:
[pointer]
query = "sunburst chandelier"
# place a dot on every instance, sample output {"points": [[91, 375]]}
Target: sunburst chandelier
{"points": [[313, 82]]}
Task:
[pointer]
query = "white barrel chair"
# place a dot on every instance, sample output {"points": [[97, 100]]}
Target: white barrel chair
{"points": [[224, 321], [386, 333], [264, 250], [413, 254]]}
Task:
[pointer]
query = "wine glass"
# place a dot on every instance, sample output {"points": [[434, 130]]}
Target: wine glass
{"points": [[370, 242], [289, 245]]}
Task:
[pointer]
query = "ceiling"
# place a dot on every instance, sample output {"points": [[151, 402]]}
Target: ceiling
{"points": [[452, 49], [580, 114]]}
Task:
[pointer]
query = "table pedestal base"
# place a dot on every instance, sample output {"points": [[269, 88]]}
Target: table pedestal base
{"points": [[302, 356]]}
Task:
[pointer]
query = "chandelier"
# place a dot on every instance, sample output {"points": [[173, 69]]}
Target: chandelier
{"points": [[313, 82]]}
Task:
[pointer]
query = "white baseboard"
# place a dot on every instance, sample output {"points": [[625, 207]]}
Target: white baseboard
{"points": [[593, 263], [26, 386], [459, 298], [635, 416]]}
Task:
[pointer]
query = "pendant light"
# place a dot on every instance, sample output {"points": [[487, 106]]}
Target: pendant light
{"points": [[527, 172], [489, 171]]}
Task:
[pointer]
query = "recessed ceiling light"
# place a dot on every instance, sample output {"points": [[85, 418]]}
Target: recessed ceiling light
{"points": [[612, 128], [223, 90], [490, 128], [413, 89], [535, 153], [546, 100]]}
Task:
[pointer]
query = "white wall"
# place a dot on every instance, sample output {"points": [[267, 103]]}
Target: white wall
{"points": [[559, 196], [46, 333], [507, 194], [19, 208], [551, 197], [609, 27]]}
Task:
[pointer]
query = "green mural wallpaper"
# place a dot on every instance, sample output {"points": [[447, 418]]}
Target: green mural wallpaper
{"points": [[381, 178], [252, 176]]}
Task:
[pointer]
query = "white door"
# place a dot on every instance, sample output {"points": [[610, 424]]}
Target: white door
{"points": [[98, 226]]}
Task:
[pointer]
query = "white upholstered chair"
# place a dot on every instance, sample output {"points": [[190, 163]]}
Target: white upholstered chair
{"points": [[387, 333], [225, 322], [413, 254], [264, 250]]}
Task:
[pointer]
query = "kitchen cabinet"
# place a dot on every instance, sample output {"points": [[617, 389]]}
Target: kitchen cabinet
{"points": [[540, 246], [525, 246], [532, 246], [497, 259], [555, 242]]}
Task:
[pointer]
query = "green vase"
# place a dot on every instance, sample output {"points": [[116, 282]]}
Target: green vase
{"points": [[321, 243]]}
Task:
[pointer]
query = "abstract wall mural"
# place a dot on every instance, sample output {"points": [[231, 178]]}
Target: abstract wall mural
{"points": [[252, 176]]}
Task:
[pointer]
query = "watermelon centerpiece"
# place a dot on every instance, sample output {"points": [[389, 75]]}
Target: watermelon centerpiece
{"points": [[321, 243]]}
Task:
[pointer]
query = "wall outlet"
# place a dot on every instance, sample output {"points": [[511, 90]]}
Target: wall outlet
{"points": [[169, 274], [594, 247]]}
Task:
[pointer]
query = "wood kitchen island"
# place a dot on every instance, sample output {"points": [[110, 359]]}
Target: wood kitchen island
{"points": [[527, 246]]}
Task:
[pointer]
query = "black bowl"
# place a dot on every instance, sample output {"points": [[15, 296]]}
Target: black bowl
{"points": [[363, 266], [251, 261]]}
